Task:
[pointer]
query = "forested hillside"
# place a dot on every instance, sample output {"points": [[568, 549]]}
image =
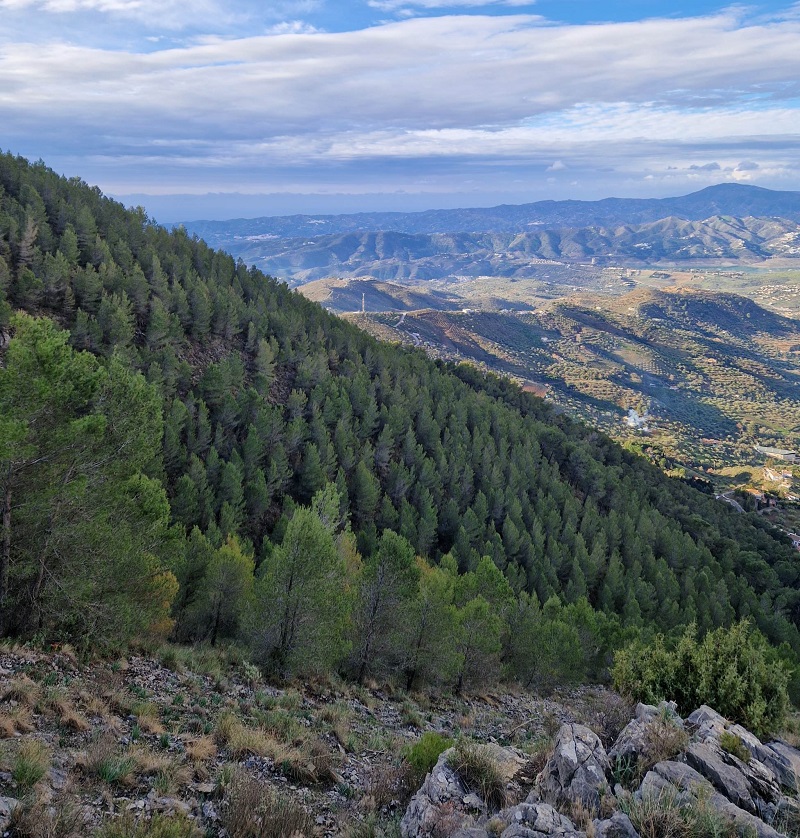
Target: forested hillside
{"points": [[228, 450]]}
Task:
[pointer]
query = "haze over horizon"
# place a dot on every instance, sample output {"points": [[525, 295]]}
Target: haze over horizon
{"points": [[218, 110]]}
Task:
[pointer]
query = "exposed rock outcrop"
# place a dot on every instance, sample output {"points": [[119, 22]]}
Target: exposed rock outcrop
{"points": [[718, 766], [577, 771]]}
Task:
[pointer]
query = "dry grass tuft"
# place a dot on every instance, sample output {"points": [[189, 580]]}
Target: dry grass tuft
{"points": [[148, 717], [241, 741], [147, 762], [8, 727], [57, 704], [201, 749], [60, 819], [389, 782], [93, 705], [478, 769], [22, 690], [105, 761], [254, 810]]}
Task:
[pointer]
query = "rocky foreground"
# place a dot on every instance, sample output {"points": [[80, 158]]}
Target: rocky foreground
{"points": [[184, 743], [664, 776]]}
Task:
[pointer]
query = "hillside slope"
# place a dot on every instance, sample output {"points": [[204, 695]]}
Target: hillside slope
{"points": [[267, 399]]}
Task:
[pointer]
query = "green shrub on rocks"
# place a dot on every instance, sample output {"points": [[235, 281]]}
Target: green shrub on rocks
{"points": [[422, 755], [730, 669]]}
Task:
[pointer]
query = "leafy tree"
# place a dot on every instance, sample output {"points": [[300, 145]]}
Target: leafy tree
{"points": [[300, 616], [430, 653], [224, 593], [86, 539], [480, 631], [387, 588]]}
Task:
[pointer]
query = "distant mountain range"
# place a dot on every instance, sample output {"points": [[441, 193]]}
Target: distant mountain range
{"points": [[725, 223], [734, 199], [423, 256]]}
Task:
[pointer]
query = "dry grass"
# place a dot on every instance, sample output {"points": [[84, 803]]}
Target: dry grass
{"points": [[477, 768], [148, 718], [120, 701], [59, 819], [387, 783], [57, 704], [104, 760], [254, 810], [241, 741], [22, 690], [665, 816], [159, 826], [664, 739], [201, 749], [93, 705], [146, 762], [8, 727], [17, 720]]}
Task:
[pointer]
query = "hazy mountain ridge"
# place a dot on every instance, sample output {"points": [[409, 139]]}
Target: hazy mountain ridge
{"points": [[723, 199], [401, 256]]}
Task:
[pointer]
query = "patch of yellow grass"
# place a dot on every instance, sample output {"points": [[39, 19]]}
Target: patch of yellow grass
{"points": [[7, 726], [201, 749], [22, 690], [148, 718]]}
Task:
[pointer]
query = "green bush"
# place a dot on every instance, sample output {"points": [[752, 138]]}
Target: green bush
{"points": [[30, 764], [732, 744], [159, 826], [422, 755], [730, 669]]}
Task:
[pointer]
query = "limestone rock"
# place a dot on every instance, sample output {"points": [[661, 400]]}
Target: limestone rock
{"points": [[784, 762], [617, 826], [439, 798], [536, 820], [725, 778], [687, 783], [708, 722], [637, 741], [444, 804], [7, 806], [578, 769]]}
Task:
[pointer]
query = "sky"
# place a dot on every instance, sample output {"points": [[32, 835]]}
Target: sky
{"points": [[209, 109]]}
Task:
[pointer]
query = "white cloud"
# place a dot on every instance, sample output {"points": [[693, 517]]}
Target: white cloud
{"points": [[399, 5], [507, 91]]}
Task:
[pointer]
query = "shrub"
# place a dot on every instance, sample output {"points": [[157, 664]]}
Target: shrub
{"points": [[732, 744], [424, 753], [104, 761], [60, 819], [730, 669], [159, 826], [479, 770], [374, 827], [30, 764], [669, 815], [253, 810]]}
